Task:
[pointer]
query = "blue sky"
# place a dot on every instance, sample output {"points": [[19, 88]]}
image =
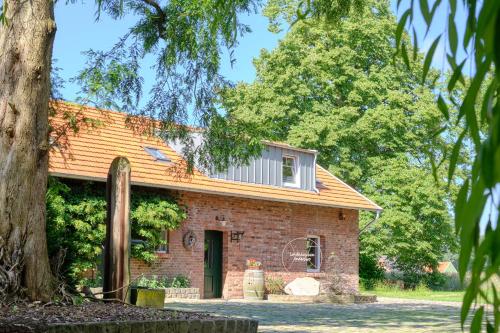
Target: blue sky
{"points": [[77, 31]]}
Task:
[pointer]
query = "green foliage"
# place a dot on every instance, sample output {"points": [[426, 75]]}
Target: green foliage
{"points": [[92, 282], [275, 285], [150, 214], [76, 213], [75, 224], [155, 281], [186, 39], [435, 280], [370, 272], [180, 281], [479, 115], [339, 91]]}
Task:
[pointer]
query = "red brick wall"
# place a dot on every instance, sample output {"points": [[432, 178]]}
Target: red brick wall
{"points": [[268, 227]]}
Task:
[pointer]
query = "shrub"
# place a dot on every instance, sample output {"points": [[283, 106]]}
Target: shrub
{"points": [[156, 282], [435, 280], [153, 282], [180, 281], [92, 282], [370, 271], [76, 213], [275, 285]]}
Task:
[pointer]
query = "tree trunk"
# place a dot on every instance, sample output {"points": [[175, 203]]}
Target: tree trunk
{"points": [[25, 58]]}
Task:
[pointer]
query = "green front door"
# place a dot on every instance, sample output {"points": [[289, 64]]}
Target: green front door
{"points": [[213, 264]]}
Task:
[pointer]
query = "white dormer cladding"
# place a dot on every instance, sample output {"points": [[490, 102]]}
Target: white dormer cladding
{"points": [[279, 165]]}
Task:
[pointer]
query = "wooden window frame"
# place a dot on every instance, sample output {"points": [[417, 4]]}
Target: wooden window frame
{"points": [[295, 171], [317, 254], [167, 246]]}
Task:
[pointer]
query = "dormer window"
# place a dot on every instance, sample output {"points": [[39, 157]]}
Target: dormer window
{"points": [[290, 173], [156, 154]]}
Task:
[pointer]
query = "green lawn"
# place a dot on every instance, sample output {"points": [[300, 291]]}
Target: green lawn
{"points": [[428, 295]]}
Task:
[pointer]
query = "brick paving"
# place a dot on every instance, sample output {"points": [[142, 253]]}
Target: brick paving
{"points": [[387, 315]]}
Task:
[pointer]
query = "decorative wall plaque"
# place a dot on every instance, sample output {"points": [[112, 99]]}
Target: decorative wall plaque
{"points": [[189, 240]]}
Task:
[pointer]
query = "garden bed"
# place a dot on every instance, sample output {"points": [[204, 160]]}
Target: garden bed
{"points": [[92, 317]]}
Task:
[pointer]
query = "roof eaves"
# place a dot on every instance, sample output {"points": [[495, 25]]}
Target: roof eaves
{"points": [[215, 192], [287, 146]]}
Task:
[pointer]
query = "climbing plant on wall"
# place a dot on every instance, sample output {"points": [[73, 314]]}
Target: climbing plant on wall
{"points": [[76, 213]]}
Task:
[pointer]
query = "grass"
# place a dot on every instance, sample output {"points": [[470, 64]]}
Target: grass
{"points": [[421, 293]]}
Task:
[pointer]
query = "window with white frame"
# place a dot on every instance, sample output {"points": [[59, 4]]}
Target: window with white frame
{"points": [[163, 248], [290, 171], [313, 249]]}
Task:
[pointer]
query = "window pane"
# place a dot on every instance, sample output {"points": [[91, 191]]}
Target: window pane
{"points": [[157, 154], [312, 248], [288, 170], [163, 247]]}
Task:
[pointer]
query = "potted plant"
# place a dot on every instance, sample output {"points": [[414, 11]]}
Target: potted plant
{"points": [[148, 292], [253, 263]]}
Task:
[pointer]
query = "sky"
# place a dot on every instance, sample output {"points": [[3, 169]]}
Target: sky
{"points": [[77, 31]]}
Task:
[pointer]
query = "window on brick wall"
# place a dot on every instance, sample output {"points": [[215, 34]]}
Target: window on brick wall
{"points": [[313, 249], [164, 248]]}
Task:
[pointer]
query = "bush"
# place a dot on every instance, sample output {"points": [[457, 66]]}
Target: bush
{"points": [[435, 280], [370, 272], [92, 282], [158, 282], [275, 285], [76, 213], [180, 281]]}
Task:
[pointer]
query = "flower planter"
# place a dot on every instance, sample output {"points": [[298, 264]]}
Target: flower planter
{"points": [[146, 297], [253, 284]]}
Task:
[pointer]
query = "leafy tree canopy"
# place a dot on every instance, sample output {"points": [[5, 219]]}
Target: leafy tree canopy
{"points": [[339, 91]]}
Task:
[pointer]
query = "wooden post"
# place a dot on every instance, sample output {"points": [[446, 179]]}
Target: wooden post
{"points": [[117, 246]]}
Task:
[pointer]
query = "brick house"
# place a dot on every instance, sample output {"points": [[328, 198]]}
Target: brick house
{"points": [[281, 205]]}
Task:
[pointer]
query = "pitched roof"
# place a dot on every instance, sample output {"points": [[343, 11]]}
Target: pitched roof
{"points": [[446, 267], [88, 154]]}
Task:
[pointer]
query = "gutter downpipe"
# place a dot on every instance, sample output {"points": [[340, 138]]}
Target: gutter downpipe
{"points": [[315, 189], [371, 222]]}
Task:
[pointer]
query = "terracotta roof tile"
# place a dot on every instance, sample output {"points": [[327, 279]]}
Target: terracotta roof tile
{"points": [[88, 155]]}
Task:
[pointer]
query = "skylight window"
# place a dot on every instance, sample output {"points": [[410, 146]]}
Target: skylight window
{"points": [[156, 154]]}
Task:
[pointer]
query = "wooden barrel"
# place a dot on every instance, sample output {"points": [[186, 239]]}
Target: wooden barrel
{"points": [[253, 284]]}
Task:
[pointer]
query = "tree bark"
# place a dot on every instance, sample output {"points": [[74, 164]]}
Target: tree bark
{"points": [[26, 42]]}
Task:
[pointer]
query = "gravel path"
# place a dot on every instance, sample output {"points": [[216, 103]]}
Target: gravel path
{"points": [[387, 315]]}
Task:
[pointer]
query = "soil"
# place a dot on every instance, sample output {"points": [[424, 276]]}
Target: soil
{"points": [[34, 317]]}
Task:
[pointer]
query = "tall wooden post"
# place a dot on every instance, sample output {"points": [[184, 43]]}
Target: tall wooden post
{"points": [[117, 246]]}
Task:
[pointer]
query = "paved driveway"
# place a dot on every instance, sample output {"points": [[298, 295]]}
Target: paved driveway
{"points": [[387, 315]]}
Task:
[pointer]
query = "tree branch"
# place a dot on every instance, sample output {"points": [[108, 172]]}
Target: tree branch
{"points": [[162, 18]]}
